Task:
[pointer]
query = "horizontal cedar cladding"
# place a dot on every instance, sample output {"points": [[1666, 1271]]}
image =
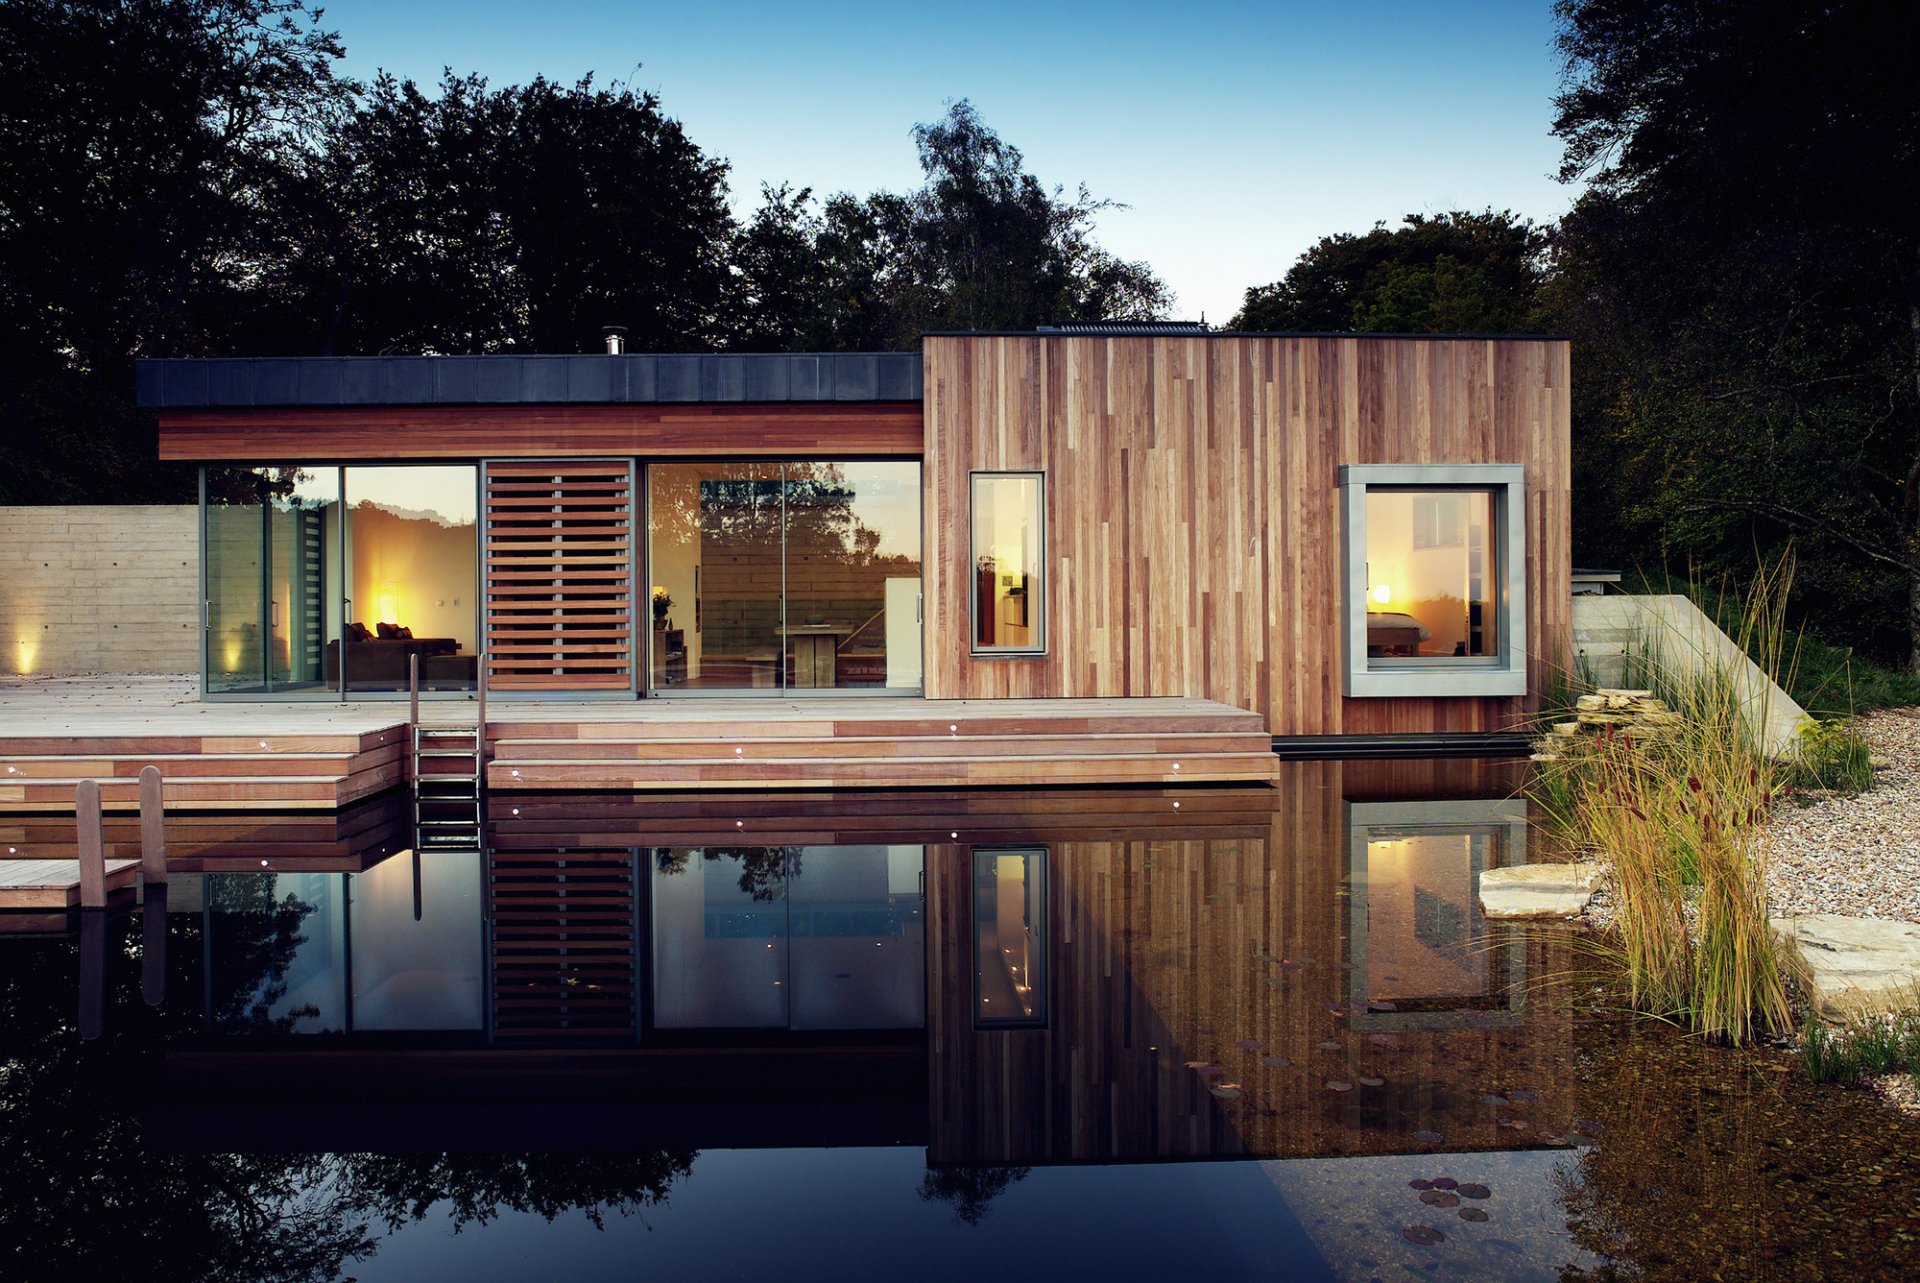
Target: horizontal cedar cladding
{"points": [[348, 432], [1193, 514]]}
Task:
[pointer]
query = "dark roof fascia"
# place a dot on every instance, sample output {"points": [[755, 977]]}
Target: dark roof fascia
{"points": [[738, 378], [1242, 334]]}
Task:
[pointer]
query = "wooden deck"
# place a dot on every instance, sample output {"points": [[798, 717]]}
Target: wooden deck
{"points": [[55, 884], [875, 743], [212, 757], [288, 756]]}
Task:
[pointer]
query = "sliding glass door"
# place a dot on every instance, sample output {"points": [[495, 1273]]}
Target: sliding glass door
{"points": [[326, 582], [271, 538], [784, 577]]}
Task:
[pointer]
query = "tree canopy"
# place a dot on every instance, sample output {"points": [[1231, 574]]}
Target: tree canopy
{"points": [[1458, 272], [1742, 279]]}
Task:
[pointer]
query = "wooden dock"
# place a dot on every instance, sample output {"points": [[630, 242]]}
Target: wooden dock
{"points": [[55, 884], [294, 756]]}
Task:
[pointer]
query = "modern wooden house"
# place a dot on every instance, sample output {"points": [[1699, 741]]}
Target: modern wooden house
{"points": [[1343, 536]]}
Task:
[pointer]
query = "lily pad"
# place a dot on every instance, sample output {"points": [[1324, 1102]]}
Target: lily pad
{"points": [[1419, 1182], [1493, 1098], [1473, 1190], [1381, 1004], [1445, 1182], [1527, 1096], [1515, 1124], [1368, 1080], [1424, 1235], [1248, 1044], [1275, 1062], [1328, 1045], [1339, 1084], [1428, 1138], [1472, 1214], [1440, 1198], [1227, 1091]]}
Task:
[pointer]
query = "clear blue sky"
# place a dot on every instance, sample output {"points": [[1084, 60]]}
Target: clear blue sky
{"points": [[1238, 133]]}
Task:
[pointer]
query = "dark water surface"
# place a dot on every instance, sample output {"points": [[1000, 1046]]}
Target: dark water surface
{"points": [[1259, 1033]]}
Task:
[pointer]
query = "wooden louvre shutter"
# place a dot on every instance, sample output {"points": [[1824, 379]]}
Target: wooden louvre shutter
{"points": [[559, 549]]}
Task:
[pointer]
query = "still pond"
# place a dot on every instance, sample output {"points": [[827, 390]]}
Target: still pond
{"points": [[1202, 1033]]}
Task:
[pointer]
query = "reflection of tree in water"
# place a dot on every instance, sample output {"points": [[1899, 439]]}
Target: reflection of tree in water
{"points": [[969, 1189], [476, 1188], [255, 935], [85, 1195], [764, 870]]}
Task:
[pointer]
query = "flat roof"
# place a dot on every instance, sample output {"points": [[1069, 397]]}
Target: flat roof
{"points": [[591, 379], [597, 379]]}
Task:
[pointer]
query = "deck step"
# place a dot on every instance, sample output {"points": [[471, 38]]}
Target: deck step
{"points": [[1011, 769], [763, 748]]}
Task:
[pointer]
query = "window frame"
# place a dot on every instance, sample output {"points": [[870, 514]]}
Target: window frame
{"points": [[974, 648], [1502, 674]]}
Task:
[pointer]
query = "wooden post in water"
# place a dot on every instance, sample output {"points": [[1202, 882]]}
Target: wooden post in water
{"points": [[413, 689], [93, 972], [153, 828], [92, 843], [153, 945]]}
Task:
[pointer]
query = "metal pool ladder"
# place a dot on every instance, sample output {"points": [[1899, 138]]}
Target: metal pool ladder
{"points": [[449, 768]]}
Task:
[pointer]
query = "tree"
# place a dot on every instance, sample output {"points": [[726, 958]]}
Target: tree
{"points": [[147, 150], [528, 218], [1452, 273], [1743, 276], [982, 244]]}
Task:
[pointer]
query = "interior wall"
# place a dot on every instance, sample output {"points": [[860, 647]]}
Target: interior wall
{"points": [[97, 589], [433, 571], [1193, 507]]}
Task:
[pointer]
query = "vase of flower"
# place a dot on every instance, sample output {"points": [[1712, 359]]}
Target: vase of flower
{"points": [[662, 603]]}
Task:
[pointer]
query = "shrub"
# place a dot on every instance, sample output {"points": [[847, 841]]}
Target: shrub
{"points": [[1829, 755]]}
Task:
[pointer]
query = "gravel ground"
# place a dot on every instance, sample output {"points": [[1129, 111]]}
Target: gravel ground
{"points": [[1857, 855]]}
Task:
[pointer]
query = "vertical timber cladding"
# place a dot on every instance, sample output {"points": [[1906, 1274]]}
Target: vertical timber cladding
{"points": [[559, 571], [1193, 518]]}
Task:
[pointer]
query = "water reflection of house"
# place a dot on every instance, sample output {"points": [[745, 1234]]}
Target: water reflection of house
{"points": [[1062, 990]]}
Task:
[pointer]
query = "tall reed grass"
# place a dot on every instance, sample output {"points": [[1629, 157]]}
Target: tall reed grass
{"points": [[1681, 816]]}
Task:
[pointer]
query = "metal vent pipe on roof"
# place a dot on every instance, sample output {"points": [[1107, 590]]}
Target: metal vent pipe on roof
{"points": [[616, 339]]}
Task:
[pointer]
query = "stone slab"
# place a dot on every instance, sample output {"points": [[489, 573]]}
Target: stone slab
{"points": [[1539, 890], [1856, 966]]}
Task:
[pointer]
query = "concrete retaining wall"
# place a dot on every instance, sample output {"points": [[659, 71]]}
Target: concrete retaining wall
{"points": [[99, 589], [1677, 635]]}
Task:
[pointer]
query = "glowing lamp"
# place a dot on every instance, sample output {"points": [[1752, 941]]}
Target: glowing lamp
{"points": [[1381, 594], [388, 600]]}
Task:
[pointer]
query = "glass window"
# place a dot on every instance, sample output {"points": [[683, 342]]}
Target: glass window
{"points": [[1009, 937], [1436, 596], [415, 562], [272, 560], [1431, 569], [1009, 543], [776, 577]]}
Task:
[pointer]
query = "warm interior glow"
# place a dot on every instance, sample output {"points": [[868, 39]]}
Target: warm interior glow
{"points": [[388, 602], [1431, 574], [25, 652], [1008, 587]]}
